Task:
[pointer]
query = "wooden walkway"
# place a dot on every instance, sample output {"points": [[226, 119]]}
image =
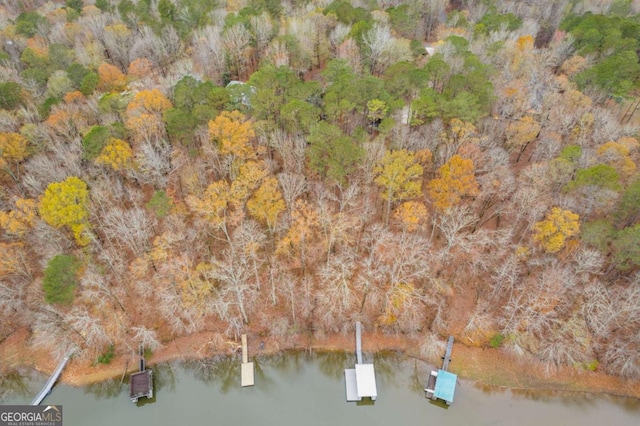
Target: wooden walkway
{"points": [[358, 343], [52, 380], [447, 354], [246, 373]]}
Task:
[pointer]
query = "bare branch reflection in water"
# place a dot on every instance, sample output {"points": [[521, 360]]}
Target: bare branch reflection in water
{"points": [[106, 389], [387, 364], [334, 363], [12, 383], [164, 377], [418, 378], [221, 369]]}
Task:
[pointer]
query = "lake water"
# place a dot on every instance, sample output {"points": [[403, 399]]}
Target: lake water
{"points": [[295, 388]]}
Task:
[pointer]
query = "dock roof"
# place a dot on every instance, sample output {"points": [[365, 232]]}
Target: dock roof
{"points": [[445, 386], [366, 381]]}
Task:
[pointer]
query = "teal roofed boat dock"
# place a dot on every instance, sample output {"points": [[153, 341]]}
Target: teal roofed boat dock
{"points": [[442, 383]]}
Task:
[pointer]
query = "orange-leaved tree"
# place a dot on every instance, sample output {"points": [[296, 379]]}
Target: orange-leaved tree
{"points": [[18, 221], [411, 214], [66, 204], [553, 231], [111, 79], [304, 230], [232, 133], [455, 181], [144, 114]]}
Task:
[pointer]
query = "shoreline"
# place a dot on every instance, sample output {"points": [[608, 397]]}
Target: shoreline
{"points": [[484, 366]]}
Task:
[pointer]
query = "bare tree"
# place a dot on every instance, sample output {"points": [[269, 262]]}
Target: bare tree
{"points": [[337, 296], [129, 229], [262, 31], [155, 163], [208, 52], [452, 222], [248, 239], [377, 40], [146, 338], [293, 185], [236, 41], [234, 272]]}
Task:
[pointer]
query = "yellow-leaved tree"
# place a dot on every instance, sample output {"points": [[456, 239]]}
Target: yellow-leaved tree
{"points": [[521, 133], [13, 149], [250, 174], [117, 154], [456, 179], [559, 225], [400, 176], [267, 203], [213, 205], [66, 204], [617, 155]]}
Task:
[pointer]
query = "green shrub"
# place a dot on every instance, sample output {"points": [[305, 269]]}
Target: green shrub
{"points": [[592, 366], [89, 83], [94, 141], [148, 352], [28, 23], [59, 282], [496, 340], [106, 357], [160, 203]]}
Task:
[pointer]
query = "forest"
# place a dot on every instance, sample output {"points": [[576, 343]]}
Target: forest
{"points": [[289, 167]]}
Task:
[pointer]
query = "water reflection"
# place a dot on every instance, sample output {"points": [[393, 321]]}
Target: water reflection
{"points": [[334, 363], [418, 379], [387, 364], [299, 387], [107, 389], [223, 370], [12, 383]]}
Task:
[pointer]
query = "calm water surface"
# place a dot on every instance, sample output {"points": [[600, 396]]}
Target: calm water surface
{"points": [[301, 389]]}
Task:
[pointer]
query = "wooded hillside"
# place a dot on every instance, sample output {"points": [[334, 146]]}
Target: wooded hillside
{"points": [[427, 167]]}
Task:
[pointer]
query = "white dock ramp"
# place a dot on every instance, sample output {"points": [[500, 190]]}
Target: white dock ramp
{"points": [[246, 373], [361, 380], [52, 380]]}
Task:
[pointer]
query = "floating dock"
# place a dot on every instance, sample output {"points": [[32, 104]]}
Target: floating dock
{"points": [[361, 380], [442, 383], [246, 373], [141, 383]]}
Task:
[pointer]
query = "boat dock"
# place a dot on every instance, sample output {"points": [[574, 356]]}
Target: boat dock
{"points": [[246, 374], [46, 390], [442, 383], [141, 383], [361, 380]]}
